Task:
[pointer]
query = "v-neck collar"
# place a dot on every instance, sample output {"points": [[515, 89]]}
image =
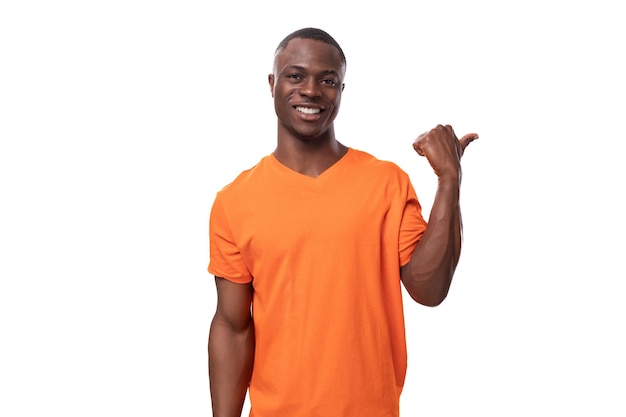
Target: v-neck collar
{"points": [[328, 172]]}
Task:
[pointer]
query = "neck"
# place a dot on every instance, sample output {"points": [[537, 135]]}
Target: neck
{"points": [[309, 157]]}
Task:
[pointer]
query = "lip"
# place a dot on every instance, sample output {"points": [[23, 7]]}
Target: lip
{"points": [[309, 117], [309, 106]]}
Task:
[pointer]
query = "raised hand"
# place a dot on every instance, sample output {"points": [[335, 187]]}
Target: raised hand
{"points": [[443, 149]]}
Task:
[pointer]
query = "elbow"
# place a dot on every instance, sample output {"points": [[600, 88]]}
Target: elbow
{"points": [[429, 292], [428, 287], [429, 299]]}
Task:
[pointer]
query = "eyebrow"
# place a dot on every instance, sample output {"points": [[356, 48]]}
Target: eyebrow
{"points": [[303, 69]]}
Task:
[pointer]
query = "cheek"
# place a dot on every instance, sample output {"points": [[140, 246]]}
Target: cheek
{"points": [[282, 92], [337, 100]]}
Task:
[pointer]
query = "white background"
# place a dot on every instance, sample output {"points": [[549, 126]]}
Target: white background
{"points": [[119, 121]]}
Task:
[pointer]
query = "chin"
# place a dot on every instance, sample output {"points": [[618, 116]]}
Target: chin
{"points": [[310, 137]]}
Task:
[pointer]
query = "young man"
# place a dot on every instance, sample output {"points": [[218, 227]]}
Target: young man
{"points": [[309, 248]]}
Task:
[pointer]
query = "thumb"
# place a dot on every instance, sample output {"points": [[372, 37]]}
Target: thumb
{"points": [[467, 139]]}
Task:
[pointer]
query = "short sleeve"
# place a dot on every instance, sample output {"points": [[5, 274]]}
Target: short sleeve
{"points": [[225, 257], [412, 226]]}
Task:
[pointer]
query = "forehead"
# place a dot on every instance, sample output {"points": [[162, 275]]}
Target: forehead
{"points": [[311, 54]]}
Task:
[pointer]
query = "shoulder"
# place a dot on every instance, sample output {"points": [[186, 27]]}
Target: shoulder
{"points": [[247, 178], [379, 167]]}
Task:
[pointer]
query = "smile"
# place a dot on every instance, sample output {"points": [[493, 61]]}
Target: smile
{"points": [[307, 110]]}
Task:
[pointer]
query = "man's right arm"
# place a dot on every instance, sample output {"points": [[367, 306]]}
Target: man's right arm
{"points": [[231, 348]]}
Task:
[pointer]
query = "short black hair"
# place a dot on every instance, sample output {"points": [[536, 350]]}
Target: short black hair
{"points": [[312, 33]]}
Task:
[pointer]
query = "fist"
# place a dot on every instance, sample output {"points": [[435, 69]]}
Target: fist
{"points": [[443, 149]]}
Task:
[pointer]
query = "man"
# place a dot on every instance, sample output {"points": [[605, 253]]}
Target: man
{"points": [[309, 248]]}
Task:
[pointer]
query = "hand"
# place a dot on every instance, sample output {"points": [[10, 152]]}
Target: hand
{"points": [[443, 150]]}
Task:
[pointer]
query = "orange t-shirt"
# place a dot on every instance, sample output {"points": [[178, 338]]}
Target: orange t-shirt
{"points": [[323, 255]]}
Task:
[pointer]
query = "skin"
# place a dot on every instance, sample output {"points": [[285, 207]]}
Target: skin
{"points": [[307, 73], [310, 73], [231, 348], [428, 275]]}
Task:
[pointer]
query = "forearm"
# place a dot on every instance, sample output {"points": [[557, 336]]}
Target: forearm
{"points": [[428, 275], [231, 356]]}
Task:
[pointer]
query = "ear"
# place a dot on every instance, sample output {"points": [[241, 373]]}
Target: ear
{"points": [[343, 86], [270, 79]]}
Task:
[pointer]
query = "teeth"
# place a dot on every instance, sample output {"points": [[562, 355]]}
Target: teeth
{"points": [[307, 110]]}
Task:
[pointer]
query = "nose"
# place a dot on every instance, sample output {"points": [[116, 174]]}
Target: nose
{"points": [[311, 88]]}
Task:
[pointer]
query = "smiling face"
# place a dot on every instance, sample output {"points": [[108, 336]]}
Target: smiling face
{"points": [[306, 85]]}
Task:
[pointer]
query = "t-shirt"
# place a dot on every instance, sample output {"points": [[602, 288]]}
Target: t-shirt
{"points": [[323, 255]]}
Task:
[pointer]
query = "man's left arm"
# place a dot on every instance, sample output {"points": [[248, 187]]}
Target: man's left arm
{"points": [[428, 274]]}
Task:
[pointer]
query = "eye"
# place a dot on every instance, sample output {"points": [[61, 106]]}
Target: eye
{"points": [[329, 82], [294, 77]]}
